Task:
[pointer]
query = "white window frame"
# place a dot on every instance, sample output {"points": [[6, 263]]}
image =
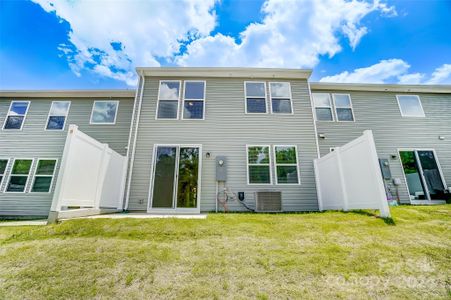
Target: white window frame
{"points": [[104, 123], [288, 165], [24, 116], [37, 175], [178, 100], [246, 97], [5, 190], [183, 99], [6, 170], [253, 164], [350, 107], [281, 98], [331, 107], [65, 116], [407, 116]]}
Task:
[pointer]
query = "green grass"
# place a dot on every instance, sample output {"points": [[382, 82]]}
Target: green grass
{"points": [[263, 256]]}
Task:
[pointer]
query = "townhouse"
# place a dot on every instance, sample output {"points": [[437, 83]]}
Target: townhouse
{"points": [[189, 133]]}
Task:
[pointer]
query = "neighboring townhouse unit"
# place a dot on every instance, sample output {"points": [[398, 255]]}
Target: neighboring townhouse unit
{"points": [[34, 128], [411, 126], [191, 136]]}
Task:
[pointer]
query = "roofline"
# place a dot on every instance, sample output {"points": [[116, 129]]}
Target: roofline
{"points": [[276, 73], [374, 87], [68, 93]]}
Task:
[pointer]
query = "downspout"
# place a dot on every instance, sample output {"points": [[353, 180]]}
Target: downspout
{"points": [[139, 91], [314, 119]]}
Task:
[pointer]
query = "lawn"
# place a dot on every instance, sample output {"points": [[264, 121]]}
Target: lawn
{"points": [[263, 256]]}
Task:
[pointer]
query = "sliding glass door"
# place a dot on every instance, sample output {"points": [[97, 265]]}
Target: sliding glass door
{"points": [[422, 174], [176, 178]]}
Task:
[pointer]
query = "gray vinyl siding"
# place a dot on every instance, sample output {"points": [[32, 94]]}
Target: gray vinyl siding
{"points": [[379, 112], [225, 131], [34, 142]]}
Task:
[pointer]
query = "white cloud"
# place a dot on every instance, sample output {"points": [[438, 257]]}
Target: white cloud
{"points": [[441, 75], [381, 72], [391, 71], [292, 34], [112, 38], [143, 32]]}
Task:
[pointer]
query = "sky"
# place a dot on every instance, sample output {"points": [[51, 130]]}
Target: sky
{"points": [[97, 44]]}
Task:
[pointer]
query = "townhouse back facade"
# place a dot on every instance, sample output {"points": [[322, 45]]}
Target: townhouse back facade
{"points": [[182, 127]]}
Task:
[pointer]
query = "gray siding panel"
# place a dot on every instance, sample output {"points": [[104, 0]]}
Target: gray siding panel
{"points": [[34, 142], [226, 131], [379, 112]]}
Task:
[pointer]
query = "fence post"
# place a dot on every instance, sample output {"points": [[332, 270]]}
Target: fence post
{"points": [[342, 179], [318, 185]]}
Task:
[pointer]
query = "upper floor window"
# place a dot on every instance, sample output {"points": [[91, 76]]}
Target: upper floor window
{"points": [[323, 106], [255, 93], [168, 99], [410, 106], [16, 115], [57, 115], [258, 164], [286, 164], [19, 176], [43, 176], [280, 97], [193, 100], [3, 165], [104, 112], [343, 107]]}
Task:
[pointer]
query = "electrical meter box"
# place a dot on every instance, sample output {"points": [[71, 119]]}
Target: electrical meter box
{"points": [[221, 168], [385, 168]]}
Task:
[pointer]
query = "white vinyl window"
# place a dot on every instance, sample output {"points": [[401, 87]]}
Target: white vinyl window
{"points": [[58, 113], [43, 177], [323, 106], [194, 100], [281, 100], [343, 107], [168, 99], [3, 166], [255, 94], [104, 112], [410, 106], [286, 164], [16, 115], [258, 164], [20, 173]]}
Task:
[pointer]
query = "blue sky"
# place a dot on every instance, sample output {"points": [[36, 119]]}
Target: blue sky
{"points": [[63, 44]]}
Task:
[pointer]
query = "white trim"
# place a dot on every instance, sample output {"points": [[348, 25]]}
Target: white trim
{"points": [[407, 116], [174, 207], [65, 116], [350, 107], [5, 190], [253, 164], [104, 123], [281, 98], [245, 99], [2, 180], [297, 164], [329, 107], [178, 100], [203, 100], [30, 190], [377, 87], [424, 184], [24, 116], [130, 163]]}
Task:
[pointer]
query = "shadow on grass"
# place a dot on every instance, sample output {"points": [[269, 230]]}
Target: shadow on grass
{"points": [[388, 220]]}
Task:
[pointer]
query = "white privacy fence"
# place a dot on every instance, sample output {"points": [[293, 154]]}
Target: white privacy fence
{"points": [[350, 177], [91, 174]]}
